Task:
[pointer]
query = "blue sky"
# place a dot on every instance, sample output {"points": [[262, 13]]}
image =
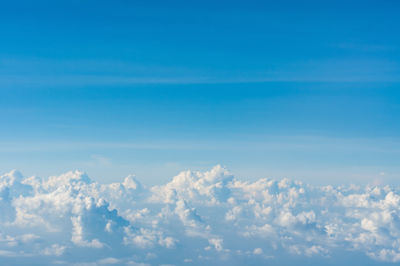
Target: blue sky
{"points": [[300, 89]]}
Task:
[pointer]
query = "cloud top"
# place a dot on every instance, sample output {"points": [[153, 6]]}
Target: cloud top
{"points": [[198, 217]]}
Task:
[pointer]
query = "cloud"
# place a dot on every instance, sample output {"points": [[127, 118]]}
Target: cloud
{"points": [[196, 217]]}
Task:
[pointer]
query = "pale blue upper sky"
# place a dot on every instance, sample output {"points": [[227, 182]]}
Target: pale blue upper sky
{"points": [[301, 89]]}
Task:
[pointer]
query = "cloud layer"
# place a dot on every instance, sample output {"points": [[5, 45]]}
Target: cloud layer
{"points": [[197, 218]]}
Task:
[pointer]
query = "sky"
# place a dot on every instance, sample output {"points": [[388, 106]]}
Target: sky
{"points": [[199, 132], [307, 90]]}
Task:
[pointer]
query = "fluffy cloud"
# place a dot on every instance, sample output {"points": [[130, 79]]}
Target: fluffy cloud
{"points": [[199, 217]]}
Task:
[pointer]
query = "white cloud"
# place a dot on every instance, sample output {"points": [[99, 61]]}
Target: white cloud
{"points": [[198, 216], [54, 250], [257, 251]]}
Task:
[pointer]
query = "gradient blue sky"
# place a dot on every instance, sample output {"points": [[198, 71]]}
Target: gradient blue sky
{"points": [[301, 89]]}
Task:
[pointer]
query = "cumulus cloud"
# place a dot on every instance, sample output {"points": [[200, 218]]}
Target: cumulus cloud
{"points": [[196, 218]]}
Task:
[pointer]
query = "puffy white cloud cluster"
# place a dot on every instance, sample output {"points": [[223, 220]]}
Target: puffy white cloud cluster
{"points": [[196, 218]]}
